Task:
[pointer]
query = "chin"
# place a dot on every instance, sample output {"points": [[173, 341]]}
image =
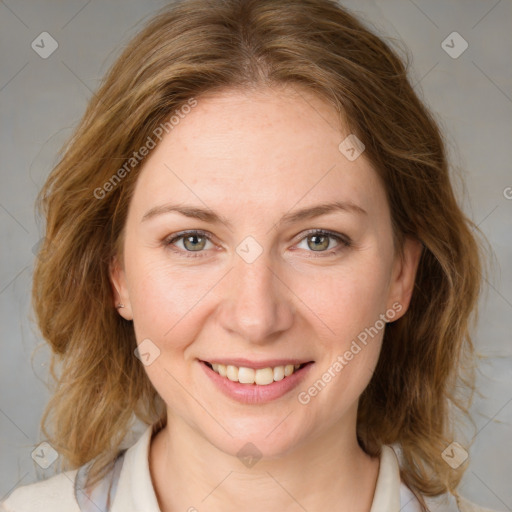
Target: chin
{"points": [[262, 439]]}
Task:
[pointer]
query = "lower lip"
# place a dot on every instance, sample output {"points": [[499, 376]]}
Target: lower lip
{"points": [[254, 393]]}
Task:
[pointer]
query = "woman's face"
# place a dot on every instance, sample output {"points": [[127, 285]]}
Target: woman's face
{"points": [[256, 288]]}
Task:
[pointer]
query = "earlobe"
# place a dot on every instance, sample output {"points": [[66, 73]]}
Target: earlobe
{"points": [[404, 273], [119, 289]]}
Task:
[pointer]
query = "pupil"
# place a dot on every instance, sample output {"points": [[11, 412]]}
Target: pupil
{"points": [[189, 239], [321, 246]]}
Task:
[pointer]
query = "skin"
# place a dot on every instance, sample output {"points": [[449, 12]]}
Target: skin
{"points": [[253, 156]]}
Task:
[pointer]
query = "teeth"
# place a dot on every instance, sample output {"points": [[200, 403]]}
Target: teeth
{"points": [[261, 376], [264, 376], [232, 373], [246, 375], [279, 373]]}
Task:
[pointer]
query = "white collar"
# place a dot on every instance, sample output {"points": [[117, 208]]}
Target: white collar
{"points": [[135, 492]]}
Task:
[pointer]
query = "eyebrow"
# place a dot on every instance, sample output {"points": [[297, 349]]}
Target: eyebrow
{"points": [[289, 218]]}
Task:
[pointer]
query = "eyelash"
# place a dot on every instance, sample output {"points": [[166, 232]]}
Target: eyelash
{"points": [[344, 241]]}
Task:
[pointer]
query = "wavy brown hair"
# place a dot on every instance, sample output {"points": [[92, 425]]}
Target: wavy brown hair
{"points": [[198, 46]]}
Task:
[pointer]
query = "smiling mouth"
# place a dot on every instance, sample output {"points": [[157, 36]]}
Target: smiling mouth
{"points": [[260, 376]]}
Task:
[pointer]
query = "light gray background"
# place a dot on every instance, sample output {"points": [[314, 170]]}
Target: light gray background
{"points": [[41, 100]]}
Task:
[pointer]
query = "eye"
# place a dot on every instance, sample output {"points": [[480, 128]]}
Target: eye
{"points": [[192, 242], [195, 242], [319, 240]]}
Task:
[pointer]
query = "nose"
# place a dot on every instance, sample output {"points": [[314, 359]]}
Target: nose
{"points": [[257, 304]]}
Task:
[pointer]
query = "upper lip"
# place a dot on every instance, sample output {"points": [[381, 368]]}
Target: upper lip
{"points": [[247, 363]]}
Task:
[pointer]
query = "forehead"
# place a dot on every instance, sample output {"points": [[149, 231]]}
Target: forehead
{"points": [[268, 148]]}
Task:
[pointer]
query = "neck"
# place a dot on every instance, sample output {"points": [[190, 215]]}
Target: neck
{"points": [[191, 474]]}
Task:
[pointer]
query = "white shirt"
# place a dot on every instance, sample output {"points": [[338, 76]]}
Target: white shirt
{"points": [[134, 492]]}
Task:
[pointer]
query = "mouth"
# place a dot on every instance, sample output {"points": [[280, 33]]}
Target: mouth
{"points": [[249, 375]]}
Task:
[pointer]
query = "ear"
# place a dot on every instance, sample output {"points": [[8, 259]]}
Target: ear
{"points": [[404, 274], [119, 288]]}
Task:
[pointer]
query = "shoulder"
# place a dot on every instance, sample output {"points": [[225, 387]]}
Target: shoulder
{"points": [[53, 494], [446, 503], [451, 503], [409, 501], [65, 492]]}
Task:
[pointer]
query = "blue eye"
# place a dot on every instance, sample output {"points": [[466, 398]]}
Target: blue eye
{"points": [[195, 241]]}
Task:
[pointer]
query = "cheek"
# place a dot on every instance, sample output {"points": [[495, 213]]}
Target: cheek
{"points": [[168, 301], [341, 300], [348, 299], [354, 371], [158, 296], [163, 312]]}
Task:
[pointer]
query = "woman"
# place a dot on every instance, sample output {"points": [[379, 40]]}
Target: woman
{"points": [[253, 245]]}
